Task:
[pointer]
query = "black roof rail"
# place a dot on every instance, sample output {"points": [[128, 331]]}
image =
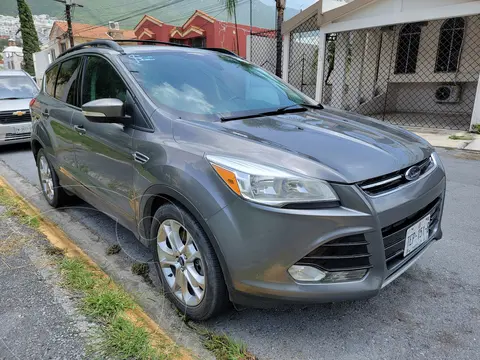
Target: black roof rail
{"points": [[151, 42], [221, 50], [95, 43]]}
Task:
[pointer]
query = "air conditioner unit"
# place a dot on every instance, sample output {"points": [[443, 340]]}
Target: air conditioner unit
{"points": [[113, 25], [448, 94]]}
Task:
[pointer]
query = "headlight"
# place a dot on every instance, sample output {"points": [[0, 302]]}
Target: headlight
{"points": [[269, 185], [437, 160]]}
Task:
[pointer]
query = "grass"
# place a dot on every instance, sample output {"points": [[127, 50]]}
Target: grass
{"points": [[476, 128], [461, 137], [105, 303], [225, 348], [124, 340], [15, 207]]}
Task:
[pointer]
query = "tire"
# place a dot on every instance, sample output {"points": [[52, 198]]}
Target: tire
{"points": [[196, 302], [51, 188]]}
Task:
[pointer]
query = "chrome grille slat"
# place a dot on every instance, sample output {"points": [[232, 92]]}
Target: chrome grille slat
{"points": [[389, 182]]}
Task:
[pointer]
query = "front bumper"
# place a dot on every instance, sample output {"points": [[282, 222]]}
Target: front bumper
{"points": [[15, 133], [259, 243]]}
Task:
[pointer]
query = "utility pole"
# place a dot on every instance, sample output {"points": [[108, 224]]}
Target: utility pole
{"points": [[69, 4], [280, 5]]}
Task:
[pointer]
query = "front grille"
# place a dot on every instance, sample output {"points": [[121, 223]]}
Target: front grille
{"points": [[392, 181], [11, 136], [394, 235], [344, 254], [7, 117]]}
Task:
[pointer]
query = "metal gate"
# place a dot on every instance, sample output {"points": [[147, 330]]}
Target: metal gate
{"points": [[303, 56], [263, 51], [418, 74]]}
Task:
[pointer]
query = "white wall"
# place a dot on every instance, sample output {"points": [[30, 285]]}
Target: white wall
{"points": [[383, 7]]}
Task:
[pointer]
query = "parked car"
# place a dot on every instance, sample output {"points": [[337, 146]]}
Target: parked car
{"points": [[17, 89], [243, 188]]}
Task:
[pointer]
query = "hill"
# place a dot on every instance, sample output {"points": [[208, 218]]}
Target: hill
{"points": [[129, 12]]}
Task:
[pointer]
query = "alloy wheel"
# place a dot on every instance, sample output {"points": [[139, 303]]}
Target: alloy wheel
{"points": [[46, 178], [181, 262]]}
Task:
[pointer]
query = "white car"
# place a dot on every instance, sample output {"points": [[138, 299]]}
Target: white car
{"points": [[17, 89]]}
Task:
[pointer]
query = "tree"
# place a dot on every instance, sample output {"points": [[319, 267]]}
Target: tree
{"points": [[231, 6], [29, 36]]}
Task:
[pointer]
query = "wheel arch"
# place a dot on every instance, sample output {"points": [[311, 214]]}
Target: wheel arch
{"points": [[156, 196]]}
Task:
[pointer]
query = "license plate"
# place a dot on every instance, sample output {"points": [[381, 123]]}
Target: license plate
{"points": [[416, 235], [23, 129]]}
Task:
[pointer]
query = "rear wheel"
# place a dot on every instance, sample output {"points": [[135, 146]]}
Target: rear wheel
{"points": [[52, 191], [186, 264]]}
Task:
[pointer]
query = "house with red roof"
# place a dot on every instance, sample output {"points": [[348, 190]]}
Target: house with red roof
{"points": [[200, 30]]}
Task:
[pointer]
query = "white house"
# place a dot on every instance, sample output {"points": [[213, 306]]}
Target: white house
{"points": [[410, 62], [12, 56]]}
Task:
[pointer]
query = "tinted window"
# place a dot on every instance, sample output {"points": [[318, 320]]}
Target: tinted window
{"points": [[101, 81], [17, 87], [66, 81], [50, 78], [209, 84]]}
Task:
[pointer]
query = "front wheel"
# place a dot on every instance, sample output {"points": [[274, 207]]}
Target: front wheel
{"points": [[186, 264]]}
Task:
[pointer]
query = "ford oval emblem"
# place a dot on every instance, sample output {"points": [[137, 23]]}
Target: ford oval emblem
{"points": [[413, 173]]}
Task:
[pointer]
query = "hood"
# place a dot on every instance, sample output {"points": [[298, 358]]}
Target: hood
{"points": [[355, 146], [14, 105]]}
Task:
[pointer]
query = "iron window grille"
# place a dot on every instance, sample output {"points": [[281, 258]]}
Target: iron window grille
{"points": [[450, 45], [407, 49]]}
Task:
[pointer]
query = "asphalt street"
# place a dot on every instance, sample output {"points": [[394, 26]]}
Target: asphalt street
{"points": [[431, 312]]}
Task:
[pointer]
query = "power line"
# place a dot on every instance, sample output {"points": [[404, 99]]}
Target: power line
{"points": [[69, 4], [136, 13]]}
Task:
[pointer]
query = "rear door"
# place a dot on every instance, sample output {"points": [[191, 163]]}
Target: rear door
{"points": [[57, 103], [103, 152]]}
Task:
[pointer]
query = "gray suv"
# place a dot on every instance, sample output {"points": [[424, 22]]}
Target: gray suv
{"points": [[243, 188]]}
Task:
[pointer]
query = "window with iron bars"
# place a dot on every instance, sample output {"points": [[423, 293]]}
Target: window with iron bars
{"points": [[450, 45]]}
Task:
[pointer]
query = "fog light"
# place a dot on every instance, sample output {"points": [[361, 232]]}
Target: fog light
{"points": [[342, 276], [306, 273]]}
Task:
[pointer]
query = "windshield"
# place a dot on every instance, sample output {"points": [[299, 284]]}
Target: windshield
{"points": [[208, 85], [17, 87]]}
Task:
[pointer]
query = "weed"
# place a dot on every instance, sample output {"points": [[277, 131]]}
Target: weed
{"points": [[114, 249], [106, 303], [476, 128], [77, 275], [123, 340], [141, 269], [224, 348], [15, 207], [461, 137], [54, 251]]}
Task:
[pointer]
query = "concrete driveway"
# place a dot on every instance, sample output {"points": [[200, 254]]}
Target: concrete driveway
{"points": [[431, 312]]}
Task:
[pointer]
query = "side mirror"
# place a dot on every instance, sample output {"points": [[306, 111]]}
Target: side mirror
{"points": [[105, 111]]}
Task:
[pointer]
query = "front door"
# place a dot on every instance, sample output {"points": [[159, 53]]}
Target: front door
{"points": [[103, 152]]}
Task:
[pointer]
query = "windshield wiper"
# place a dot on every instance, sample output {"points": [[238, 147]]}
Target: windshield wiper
{"points": [[279, 111], [12, 98], [283, 110]]}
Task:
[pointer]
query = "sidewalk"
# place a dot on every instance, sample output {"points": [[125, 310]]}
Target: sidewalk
{"points": [[453, 139], [37, 318]]}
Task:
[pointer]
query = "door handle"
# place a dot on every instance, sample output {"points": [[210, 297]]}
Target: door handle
{"points": [[80, 129], [45, 113]]}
